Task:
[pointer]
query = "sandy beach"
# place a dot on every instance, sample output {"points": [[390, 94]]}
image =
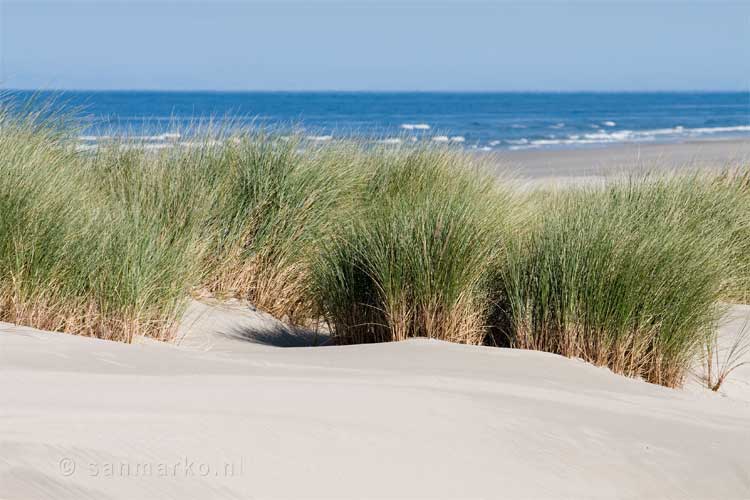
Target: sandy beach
{"points": [[225, 414], [584, 164]]}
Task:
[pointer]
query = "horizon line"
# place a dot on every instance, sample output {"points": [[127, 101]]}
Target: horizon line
{"points": [[376, 91]]}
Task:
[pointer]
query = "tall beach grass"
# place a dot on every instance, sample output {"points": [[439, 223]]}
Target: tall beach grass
{"points": [[71, 257], [277, 201], [626, 276], [112, 242], [415, 260], [381, 242]]}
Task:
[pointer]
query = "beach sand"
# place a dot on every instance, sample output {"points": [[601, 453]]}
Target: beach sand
{"points": [[596, 163], [242, 406], [225, 413]]}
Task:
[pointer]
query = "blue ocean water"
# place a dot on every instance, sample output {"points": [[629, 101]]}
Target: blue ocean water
{"points": [[486, 121]]}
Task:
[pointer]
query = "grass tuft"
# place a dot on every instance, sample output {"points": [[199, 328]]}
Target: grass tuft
{"points": [[627, 276], [414, 262]]}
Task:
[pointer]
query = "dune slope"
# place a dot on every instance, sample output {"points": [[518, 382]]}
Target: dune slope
{"points": [[234, 417]]}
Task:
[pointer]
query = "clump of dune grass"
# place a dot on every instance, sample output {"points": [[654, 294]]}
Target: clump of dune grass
{"points": [[240, 215], [277, 201], [74, 257], [36, 202], [150, 208], [414, 260], [625, 276]]}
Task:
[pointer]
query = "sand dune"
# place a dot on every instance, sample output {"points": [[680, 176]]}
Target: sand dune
{"points": [[227, 414]]}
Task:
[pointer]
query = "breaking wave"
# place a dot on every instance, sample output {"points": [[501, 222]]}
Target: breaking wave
{"points": [[626, 136], [415, 126]]}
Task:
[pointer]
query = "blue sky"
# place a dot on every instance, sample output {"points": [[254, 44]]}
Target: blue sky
{"points": [[375, 45]]}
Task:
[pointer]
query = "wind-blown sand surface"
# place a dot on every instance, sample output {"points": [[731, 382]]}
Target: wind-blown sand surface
{"points": [[226, 415]]}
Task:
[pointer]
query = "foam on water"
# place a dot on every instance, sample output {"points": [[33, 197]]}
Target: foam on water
{"points": [[598, 137], [415, 126], [625, 136], [167, 136]]}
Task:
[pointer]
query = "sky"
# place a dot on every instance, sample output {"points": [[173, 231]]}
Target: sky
{"points": [[442, 45]]}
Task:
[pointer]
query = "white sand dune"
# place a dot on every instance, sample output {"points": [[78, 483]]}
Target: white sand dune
{"points": [[226, 414]]}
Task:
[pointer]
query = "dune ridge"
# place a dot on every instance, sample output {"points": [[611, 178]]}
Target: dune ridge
{"points": [[419, 418]]}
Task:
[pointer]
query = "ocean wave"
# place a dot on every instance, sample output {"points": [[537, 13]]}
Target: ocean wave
{"points": [[200, 144], [720, 130], [609, 123], [415, 126], [151, 146], [648, 135], [558, 125], [596, 136], [167, 136]]}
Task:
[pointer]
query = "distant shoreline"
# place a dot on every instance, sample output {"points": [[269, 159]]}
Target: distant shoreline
{"points": [[573, 163]]}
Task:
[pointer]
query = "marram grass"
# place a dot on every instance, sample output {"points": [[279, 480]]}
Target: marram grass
{"points": [[627, 276], [414, 261], [112, 242], [238, 219], [382, 243], [74, 259], [274, 206]]}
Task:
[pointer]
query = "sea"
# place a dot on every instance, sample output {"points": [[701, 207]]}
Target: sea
{"points": [[484, 121]]}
